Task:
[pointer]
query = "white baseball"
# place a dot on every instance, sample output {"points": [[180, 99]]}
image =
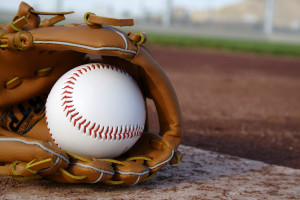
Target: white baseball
{"points": [[95, 110]]}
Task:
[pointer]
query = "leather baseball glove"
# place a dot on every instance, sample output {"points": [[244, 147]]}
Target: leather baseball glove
{"points": [[34, 55]]}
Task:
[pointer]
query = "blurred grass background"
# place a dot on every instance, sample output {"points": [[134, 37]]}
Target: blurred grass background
{"points": [[257, 47], [269, 27]]}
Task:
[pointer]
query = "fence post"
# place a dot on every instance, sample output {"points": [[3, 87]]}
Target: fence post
{"points": [[269, 16], [167, 17]]}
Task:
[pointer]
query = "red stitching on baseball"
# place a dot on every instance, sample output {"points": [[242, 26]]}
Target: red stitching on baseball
{"points": [[74, 115], [66, 102], [100, 133], [70, 82], [67, 92], [70, 111], [96, 129], [92, 128], [110, 134], [68, 106], [86, 126], [53, 138], [128, 133], [73, 78], [80, 124], [76, 74], [107, 129], [76, 120], [84, 69], [69, 87], [66, 97], [133, 133]]}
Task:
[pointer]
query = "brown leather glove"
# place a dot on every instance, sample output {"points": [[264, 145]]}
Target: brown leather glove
{"points": [[33, 56]]}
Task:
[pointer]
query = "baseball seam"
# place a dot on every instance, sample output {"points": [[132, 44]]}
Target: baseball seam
{"points": [[86, 126]]}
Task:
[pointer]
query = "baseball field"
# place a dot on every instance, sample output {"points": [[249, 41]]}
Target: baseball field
{"points": [[240, 104], [241, 126]]}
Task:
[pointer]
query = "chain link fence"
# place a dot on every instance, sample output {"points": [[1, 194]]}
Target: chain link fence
{"points": [[254, 19]]}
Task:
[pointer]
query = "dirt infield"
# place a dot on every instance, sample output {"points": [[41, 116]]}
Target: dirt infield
{"points": [[239, 104]]}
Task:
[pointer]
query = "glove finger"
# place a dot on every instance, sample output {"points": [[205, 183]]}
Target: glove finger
{"points": [[151, 146], [128, 173], [84, 171], [26, 149], [176, 159], [29, 170], [27, 157]]}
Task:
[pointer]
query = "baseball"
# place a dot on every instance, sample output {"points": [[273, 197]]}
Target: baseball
{"points": [[95, 110]]}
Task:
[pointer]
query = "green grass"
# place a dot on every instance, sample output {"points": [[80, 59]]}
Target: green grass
{"points": [[258, 47]]}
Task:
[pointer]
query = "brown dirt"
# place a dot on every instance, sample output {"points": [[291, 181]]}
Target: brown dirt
{"points": [[239, 104]]}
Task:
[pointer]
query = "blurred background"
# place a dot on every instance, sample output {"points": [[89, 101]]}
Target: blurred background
{"points": [[272, 20]]}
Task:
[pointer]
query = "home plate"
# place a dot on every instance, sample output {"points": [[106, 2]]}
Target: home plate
{"points": [[200, 175]]}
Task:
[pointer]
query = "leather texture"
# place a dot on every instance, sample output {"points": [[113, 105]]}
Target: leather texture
{"points": [[34, 55]]}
